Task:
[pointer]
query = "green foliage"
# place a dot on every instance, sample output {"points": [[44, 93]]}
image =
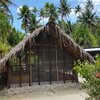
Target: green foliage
{"points": [[8, 35], [91, 74], [4, 47], [83, 36], [25, 14], [28, 16], [49, 11], [4, 7], [64, 8], [96, 32], [4, 27], [87, 35], [15, 37]]}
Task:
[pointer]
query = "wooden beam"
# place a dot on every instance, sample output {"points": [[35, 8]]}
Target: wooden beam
{"points": [[44, 45]]}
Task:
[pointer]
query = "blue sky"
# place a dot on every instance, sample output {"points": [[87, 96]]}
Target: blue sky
{"points": [[40, 3]]}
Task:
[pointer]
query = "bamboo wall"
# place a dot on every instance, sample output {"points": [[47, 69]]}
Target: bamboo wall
{"points": [[41, 61]]}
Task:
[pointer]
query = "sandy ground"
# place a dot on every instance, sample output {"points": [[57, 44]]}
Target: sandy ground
{"points": [[59, 93]]}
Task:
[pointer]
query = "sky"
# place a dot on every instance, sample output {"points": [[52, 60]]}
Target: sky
{"points": [[40, 3]]}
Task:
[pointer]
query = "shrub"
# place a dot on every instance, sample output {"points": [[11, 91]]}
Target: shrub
{"points": [[91, 74]]}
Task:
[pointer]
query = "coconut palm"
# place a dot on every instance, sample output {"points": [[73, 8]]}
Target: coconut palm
{"points": [[42, 14], [89, 5], [51, 12], [4, 6], [78, 9], [25, 14], [5, 27], [35, 10], [67, 26], [88, 17], [64, 9], [34, 23]]}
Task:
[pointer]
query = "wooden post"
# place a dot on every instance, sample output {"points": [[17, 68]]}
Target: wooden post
{"points": [[20, 71], [8, 74], [38, 66], [35, 65], [64, 66], [50, 68], [75, 76], [30, 67], [56, 59], [26, 58]]}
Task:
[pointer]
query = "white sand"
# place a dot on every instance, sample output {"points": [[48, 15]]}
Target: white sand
{"points": [[54, 92]]}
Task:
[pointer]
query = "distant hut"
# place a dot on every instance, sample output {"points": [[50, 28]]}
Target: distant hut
{"points": [[47, 54], [93, 51]]}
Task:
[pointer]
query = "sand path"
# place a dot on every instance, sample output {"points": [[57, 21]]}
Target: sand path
{"points": [[60, 93]]}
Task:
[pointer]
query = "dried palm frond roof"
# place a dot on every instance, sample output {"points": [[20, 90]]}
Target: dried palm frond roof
{"points": [[62, 38]]}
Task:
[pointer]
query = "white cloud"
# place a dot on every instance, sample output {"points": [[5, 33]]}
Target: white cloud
{"points": [[18, 9], [31, 8], [95, 2], [73, 16], [43, 21]]}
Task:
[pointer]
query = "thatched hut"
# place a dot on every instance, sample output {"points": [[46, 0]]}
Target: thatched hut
{"points": [[45, 55]]}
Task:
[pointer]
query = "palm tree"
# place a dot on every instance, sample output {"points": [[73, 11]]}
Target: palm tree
{"points": [[88, 17], [89, 5], [35, 10], [5, 27], [42, 14], [25, 14], [64, 10], [77, 9], [67, 26], [34, 23], [4, 6], [51, 12]]}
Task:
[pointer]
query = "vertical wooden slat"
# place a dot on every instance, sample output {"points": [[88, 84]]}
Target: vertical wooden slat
{"points": [[56, 60], [8, 74], [64, 66], [20, 71], [72, 71], [75, 74], [50, 68], [26, 59], [30, 66], [38, 71], [35, 65]]}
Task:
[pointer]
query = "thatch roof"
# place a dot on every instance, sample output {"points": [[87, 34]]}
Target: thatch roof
{"points": [[63, 39]]}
